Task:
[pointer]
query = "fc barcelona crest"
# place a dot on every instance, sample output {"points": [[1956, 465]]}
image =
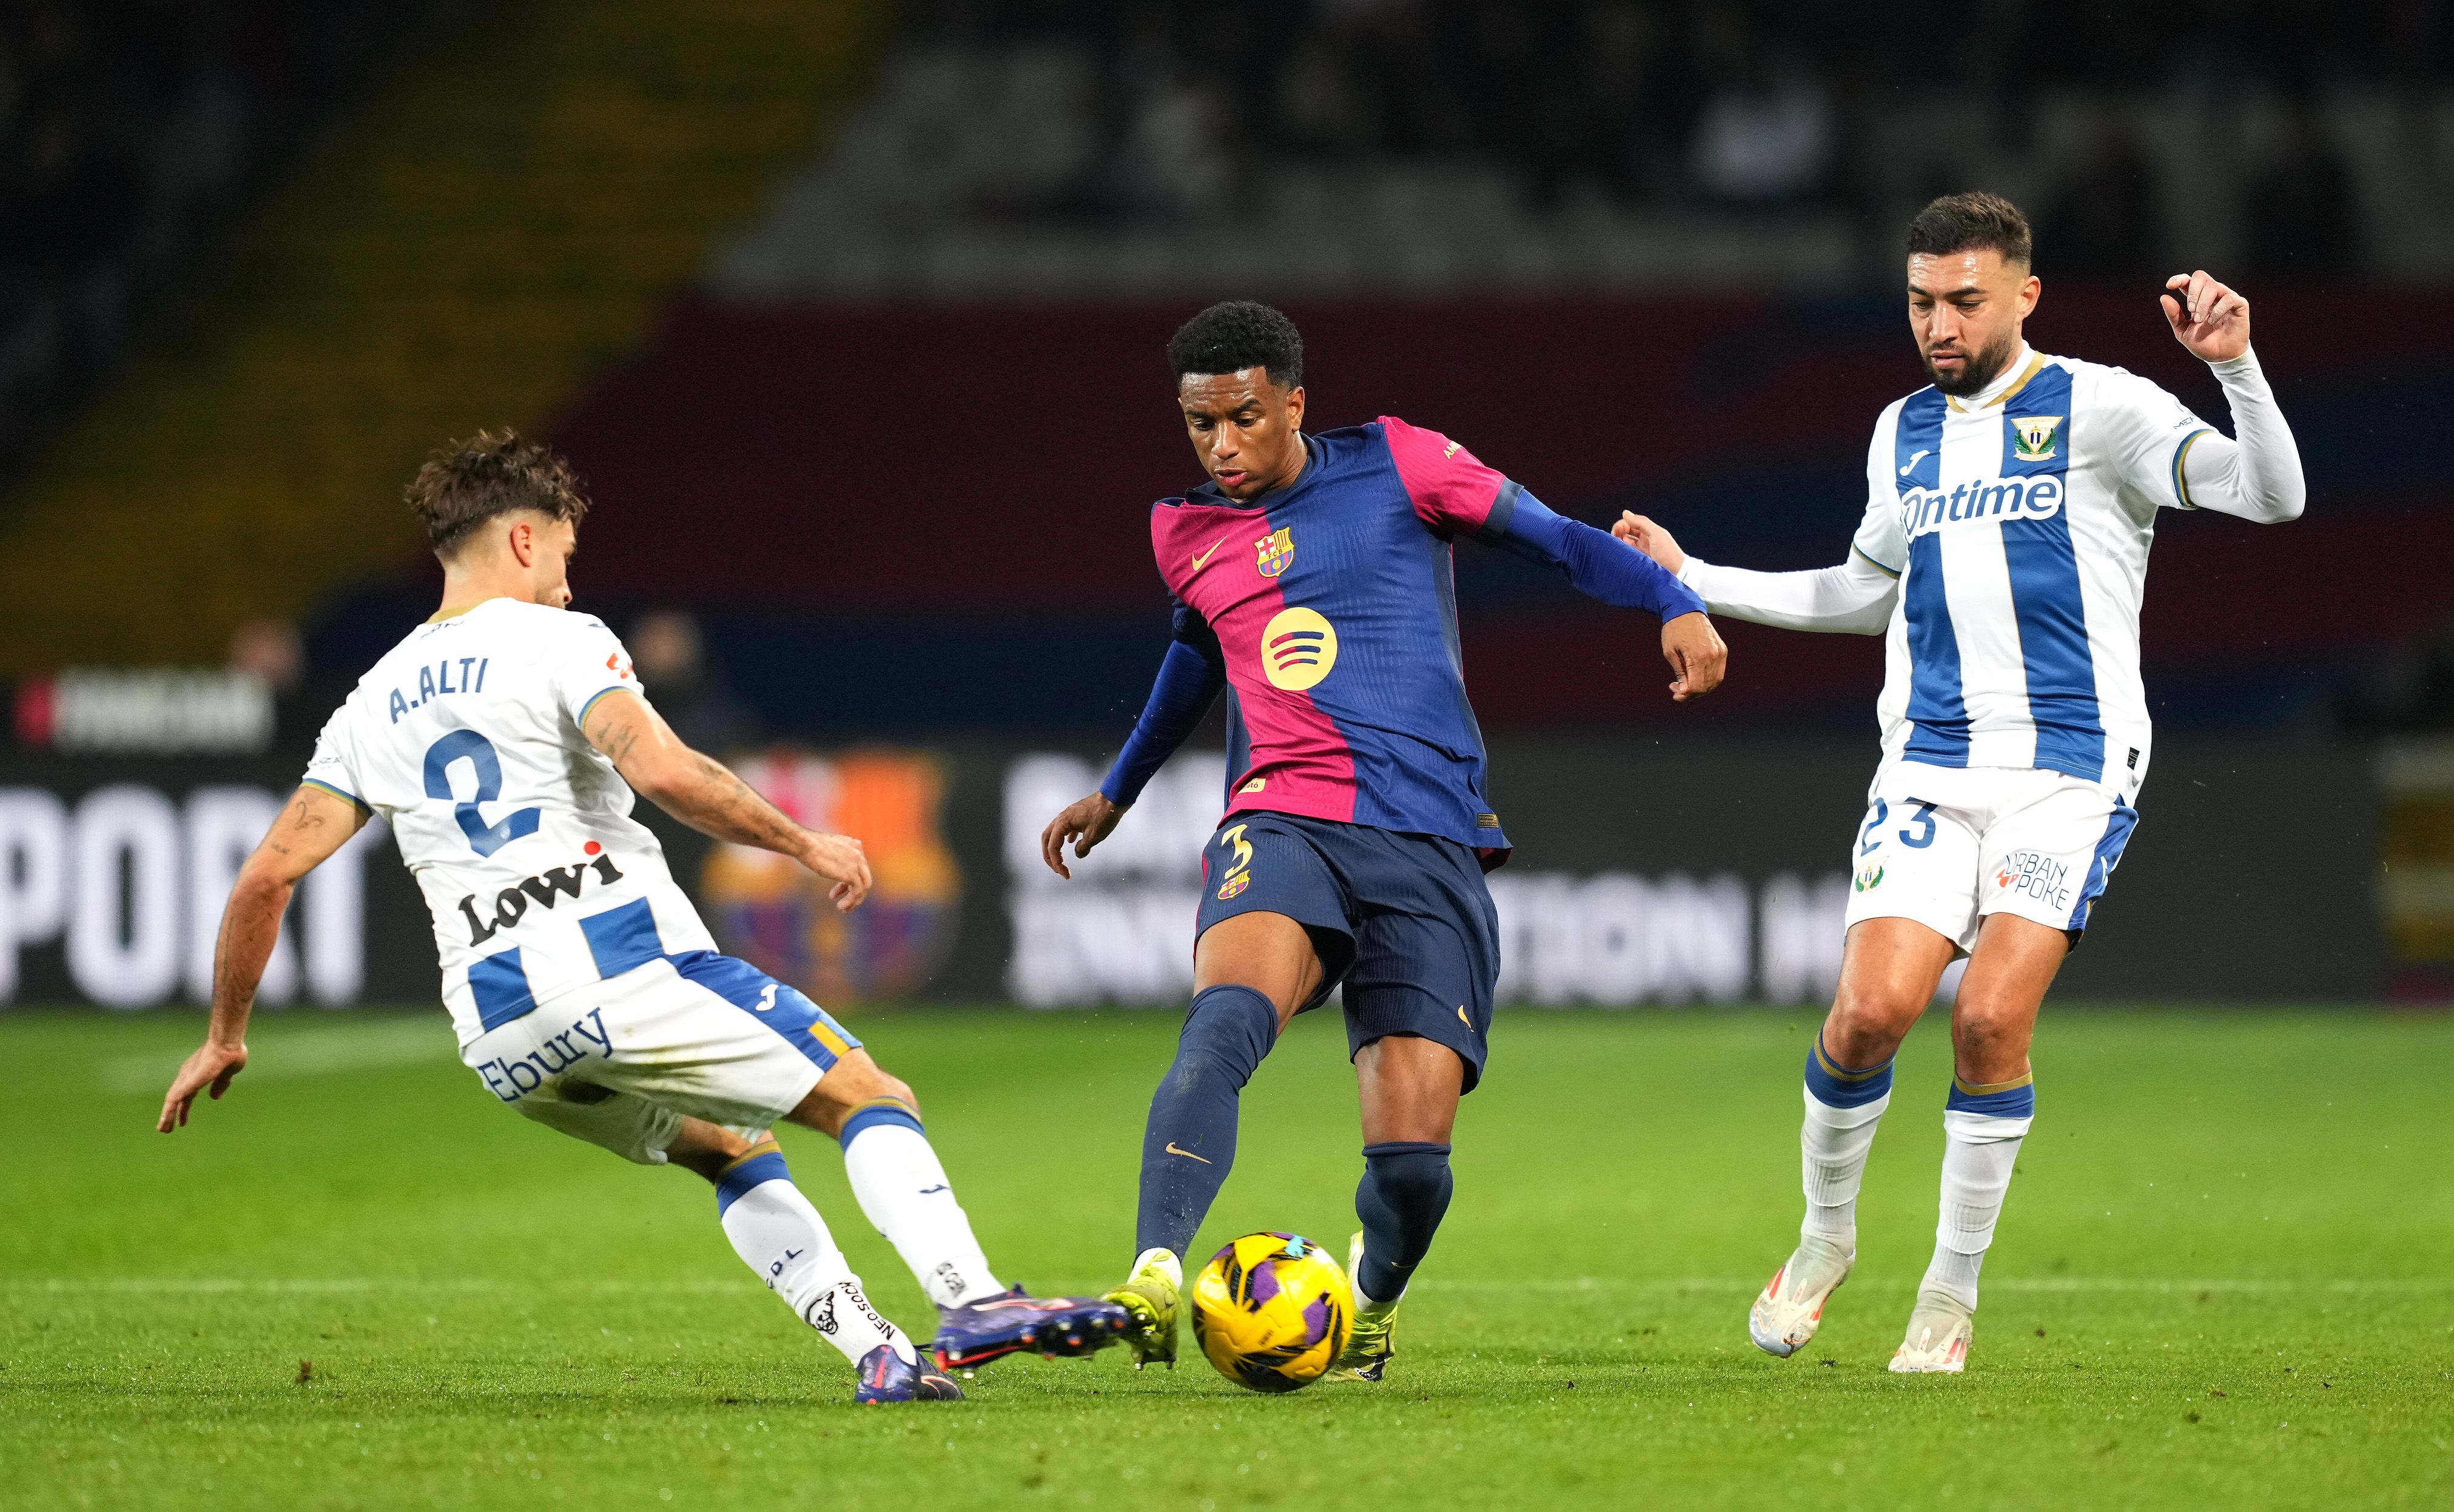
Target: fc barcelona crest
{"points": [[2032, 437], [1273, 552]]}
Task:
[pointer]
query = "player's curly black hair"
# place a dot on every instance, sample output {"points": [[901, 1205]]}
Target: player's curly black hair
{"points": [[1235, 334], [466, 483], [1971, 223]]}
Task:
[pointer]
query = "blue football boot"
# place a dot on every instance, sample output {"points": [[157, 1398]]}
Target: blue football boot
{"points": [[991, 1327], [885, 1376]]}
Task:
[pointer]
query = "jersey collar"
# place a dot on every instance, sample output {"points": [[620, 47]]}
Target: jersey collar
{"points": [[1207, 492], [439, 618], [2016, 374]]}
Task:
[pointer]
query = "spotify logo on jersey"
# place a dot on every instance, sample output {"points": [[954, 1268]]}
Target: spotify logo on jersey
{"points": [[1298, 649]]}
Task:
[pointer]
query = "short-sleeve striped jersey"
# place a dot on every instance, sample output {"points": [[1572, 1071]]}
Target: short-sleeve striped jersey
{"points": [[466, 738]]}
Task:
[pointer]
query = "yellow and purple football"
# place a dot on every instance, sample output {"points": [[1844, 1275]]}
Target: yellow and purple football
{"points": [[1272, 1311]]}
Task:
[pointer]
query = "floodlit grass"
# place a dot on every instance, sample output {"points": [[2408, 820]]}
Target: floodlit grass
{"points": [[2221, 1280]]}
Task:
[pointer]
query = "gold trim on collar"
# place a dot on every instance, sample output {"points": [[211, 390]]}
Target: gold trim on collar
{"points": [[439, 617], [2035, 365]]}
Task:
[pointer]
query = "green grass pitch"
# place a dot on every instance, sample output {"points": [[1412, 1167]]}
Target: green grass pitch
{"points": [[2222, 1280]]}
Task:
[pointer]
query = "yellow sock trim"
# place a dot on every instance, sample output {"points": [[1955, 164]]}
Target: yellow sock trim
{"points": [[766, 1146], [1977, 1089]]}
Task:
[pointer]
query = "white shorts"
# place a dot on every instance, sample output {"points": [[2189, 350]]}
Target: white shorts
{"points": [[1946, 846], [621, 1062]]}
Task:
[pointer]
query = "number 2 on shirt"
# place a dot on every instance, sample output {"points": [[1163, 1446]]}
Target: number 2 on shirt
{"points": [[479, 752]]}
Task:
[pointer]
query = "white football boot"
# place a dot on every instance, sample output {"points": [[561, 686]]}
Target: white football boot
{"points": [[1939, 1333], [1791, 1307]]}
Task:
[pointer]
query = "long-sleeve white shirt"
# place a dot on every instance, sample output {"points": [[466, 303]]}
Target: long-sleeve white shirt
{"points": [[2005, 551]]}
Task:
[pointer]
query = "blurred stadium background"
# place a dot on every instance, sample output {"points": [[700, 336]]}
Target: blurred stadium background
{"points": [[851, 313]]}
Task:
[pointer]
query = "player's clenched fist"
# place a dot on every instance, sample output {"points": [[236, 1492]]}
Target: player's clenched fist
{"points": [[1696, 655], [1086, 822], [840, 860]]}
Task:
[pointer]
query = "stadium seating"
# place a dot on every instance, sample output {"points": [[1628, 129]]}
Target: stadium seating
{"points": [[502, 211]]}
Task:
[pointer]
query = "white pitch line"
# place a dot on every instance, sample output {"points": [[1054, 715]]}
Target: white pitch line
{"points": [[334, 1285], [2008, 1283], [346, 1285], [279, 1057]]}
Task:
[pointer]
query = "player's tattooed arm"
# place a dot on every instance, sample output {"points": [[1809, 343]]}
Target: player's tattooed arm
{"points": [[709, 797], [315, 823]]}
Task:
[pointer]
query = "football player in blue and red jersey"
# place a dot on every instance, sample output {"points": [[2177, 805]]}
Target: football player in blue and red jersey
{"points": [[1311, 580]]}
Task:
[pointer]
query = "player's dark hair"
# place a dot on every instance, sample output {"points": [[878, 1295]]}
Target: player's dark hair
{"points": [[466, 483], [1972, 223], [1235, 334]]}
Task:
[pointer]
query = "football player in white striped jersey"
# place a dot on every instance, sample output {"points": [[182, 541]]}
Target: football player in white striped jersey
{"points": [[2003, 552], [503, 741]]}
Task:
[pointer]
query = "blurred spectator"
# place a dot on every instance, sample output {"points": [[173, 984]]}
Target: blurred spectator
{"points": [[1743, 103], [2105, 218], [671, 658], [2299, 215], [1636, 89], [74, 200], [270, 649], [273, 651], [1765, 138], [2411, 690]]}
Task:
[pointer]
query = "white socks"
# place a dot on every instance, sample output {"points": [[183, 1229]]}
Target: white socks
{"points": [[1833, 1145], [904, 1192], [778, 1235], [1844, 1104], [1983, 1127], [1979, 1152]]}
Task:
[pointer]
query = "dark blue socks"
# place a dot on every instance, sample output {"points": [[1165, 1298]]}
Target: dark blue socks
{"points": [[1189, 1143], [1404, 1193]]}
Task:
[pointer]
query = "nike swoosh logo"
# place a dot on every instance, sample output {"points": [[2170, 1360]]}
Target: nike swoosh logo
{"points": [[1203, 560], [1187, 1154], [927, 1191]]}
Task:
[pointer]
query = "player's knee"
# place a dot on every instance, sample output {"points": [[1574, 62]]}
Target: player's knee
{"points": [[1227, 1032], [1879, 1015], [853, 1083], [869, 1083], [1988, 1035]]}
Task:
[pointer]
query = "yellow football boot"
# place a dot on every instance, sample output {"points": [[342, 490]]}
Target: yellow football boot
{"points": [[1374, 1339], [1149, 1296]]}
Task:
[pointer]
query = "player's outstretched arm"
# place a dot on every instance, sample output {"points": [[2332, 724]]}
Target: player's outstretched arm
{"points": [[1522, 526], [705, 793], [2257, 477], [316, 823], [1855, 598]]}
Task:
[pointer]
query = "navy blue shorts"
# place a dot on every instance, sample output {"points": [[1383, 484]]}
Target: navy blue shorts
{"points": [[1403, 920]]}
